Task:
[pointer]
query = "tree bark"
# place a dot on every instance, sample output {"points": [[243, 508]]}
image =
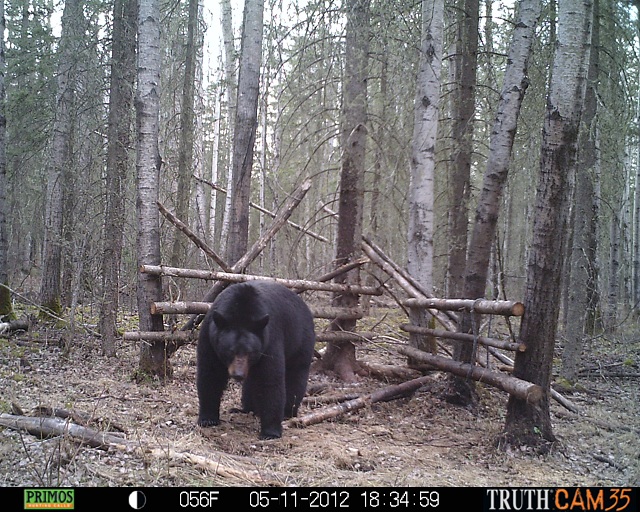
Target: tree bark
{"points": [[50, 289], [528, 424], [154, 360], [120, 121], [185, 150], [581, 260], [245, 127], [502, 136], [340, 357], [465, 64], [423, 162], [6, 309]]}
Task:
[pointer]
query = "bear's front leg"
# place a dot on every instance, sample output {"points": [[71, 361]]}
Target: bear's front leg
{"points": [[265, 391], [211, 380]]}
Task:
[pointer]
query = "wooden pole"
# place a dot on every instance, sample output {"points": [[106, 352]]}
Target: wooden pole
{"points": [[241, 278], [519, 388], [483, 340], [492, 307]]}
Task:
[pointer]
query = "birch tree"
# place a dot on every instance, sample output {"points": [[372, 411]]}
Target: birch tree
{"points": [[244, 134], [153, 358], [528, 424], [423, 160], [582, 254], [423, 147]]}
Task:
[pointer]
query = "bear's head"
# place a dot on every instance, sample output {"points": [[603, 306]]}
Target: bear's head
{"points": [[239, 344]]}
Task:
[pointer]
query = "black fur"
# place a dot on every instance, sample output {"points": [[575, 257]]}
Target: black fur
{"points": [[263, 334]]}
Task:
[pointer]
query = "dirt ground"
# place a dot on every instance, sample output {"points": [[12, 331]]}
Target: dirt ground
{"points": [[416, 441]]}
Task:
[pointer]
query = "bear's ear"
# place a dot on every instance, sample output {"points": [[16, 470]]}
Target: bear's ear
{"points": [[219, 320], [260, 324]]}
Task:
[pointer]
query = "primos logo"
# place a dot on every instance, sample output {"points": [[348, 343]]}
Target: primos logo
{"points": [[48, 499]]}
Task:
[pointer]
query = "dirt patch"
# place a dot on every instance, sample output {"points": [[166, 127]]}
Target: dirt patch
{"points": [[416, 441]]}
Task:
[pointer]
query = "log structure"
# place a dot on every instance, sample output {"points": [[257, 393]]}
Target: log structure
{"points": [[492, 307], [241, 278], [483, 340]]}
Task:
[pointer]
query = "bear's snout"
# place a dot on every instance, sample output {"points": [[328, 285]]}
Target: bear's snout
{"points": [[239, 367]]}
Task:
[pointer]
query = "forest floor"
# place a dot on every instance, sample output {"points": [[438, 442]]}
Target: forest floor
{"points": [[419, 440]]}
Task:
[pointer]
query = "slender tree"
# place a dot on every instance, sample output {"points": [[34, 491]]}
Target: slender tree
{"points": [[527, 423], [185, 151], [582, 256], [246, 121], [5, 297], [465, 62], [340, 356], [153, 357], [119, 163], [423, 159]]}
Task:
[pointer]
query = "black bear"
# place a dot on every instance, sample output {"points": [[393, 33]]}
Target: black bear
{"points": [[261, 333]]}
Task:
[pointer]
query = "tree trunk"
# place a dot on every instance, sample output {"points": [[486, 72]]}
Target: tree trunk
{"points": [[340, 357], [423, 162], [529, 424], [153, 359], [185, 151], [231, 85], [502, 137], [581, 261], [50, 289], [465, 64], [123, 72], [6, 309], [244, 134]]}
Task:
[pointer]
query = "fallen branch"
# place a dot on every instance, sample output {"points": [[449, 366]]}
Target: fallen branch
{"points": [[384, 394], [522, 389], [56, 427], [14, 325]]}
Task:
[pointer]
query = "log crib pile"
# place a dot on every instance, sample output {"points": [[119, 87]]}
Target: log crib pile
{"points": [[444, 311]]}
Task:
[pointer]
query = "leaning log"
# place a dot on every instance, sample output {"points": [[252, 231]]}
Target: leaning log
{"points": [[265, 211], [193, 237], [242, 278], [493, 307], [14, 325], [258, 246], [483, 340], [519, 388], [447, 318]]}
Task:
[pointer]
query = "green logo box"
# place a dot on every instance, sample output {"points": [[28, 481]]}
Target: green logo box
{"points": [[49, 499]]}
